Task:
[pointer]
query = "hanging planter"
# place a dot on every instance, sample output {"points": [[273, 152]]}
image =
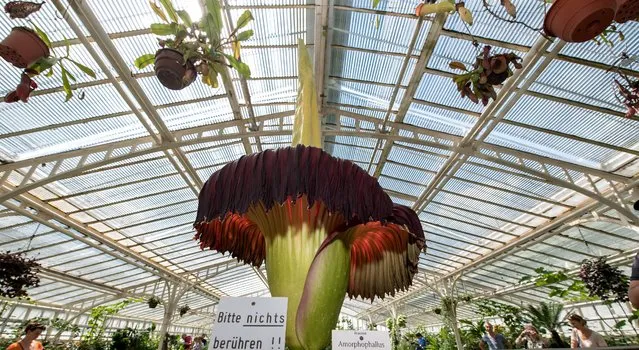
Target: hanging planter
{"points": [[172, 70], [154, 302], [603, 280], [627, 10], [579, 20], [190, 48], [17, 274], [184, 309], [22, 9], [488, 71], [23, 47]]}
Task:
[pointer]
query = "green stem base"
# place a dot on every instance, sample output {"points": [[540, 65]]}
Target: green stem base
{"points": [[315, 284]]}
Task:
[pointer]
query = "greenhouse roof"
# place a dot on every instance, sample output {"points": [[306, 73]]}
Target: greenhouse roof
{"points": [[102, 189]]}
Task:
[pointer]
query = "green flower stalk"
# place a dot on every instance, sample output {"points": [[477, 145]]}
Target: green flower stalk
{"points": [[324, 227]]}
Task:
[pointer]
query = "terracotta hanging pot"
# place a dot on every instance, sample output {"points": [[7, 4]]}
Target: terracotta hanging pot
{"points": [[172, 71], [627, 10], [579, 20], [23, 47]]}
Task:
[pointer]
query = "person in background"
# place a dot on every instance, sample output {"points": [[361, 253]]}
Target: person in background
{"points": [[531, 339], [31, 332], [633, 291], [421, 342], [582, 336], [204, 340], [197, 344], [492, 340], [188, 341]]}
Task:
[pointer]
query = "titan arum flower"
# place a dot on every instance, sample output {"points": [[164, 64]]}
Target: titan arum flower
{"points": [[324, 226]]}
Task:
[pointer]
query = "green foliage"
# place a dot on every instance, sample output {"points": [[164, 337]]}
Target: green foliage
{"points": [[547, 317], [444, 340], [471, 333], [511, 315], [395, 326], [98, 318], [344, 324], [575, 291], [371, 326], [200, 42], [128, 338]]}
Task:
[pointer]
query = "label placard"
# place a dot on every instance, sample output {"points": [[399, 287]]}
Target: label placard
{"points": [[250, 323], [360, 340]]}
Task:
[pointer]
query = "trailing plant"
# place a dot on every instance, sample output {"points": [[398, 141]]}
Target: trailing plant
{"points": [[572, 290], [603, 280], [345, 324], [395, 326], [17, 274], [47, 64], [489, 70], [547, 317], [98, 317], [184, 309], [200, 42], [153, 302]]}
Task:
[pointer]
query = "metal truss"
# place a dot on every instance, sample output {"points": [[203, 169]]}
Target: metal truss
{"points": [[422, 62], [539, 234], [33, 173]]}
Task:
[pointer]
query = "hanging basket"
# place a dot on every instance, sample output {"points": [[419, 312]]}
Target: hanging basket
{"points": [[23, 47], [184, 309], [627, 10], [153, 302], [17, 274], [172, 71], [579, 20]]}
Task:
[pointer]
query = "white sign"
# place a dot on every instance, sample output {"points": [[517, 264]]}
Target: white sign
{"points": [[360, 340], [250, 323]]}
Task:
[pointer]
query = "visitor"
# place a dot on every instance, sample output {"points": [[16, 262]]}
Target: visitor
{"points": [[29, 342], [197, 344], [421, 342], [188, 341], [492, 340], [204, 340], [633, 292], [531, 339], [582, 336]]}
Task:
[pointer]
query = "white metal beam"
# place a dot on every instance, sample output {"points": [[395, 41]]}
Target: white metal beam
{"points": [[542, 232], [175, 156], [418, 73], [116, 250]]}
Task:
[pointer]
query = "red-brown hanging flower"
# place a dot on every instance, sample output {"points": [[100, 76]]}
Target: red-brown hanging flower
{"points": [[23, 90]]}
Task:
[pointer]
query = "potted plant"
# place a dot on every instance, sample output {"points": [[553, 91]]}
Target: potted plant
{"points": [[17, 273], [603, 280], [579, 20], [190, 48], [626, 10], [23, 46], [184, 309], [30, 50], [154, 302], [488, 71]]}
